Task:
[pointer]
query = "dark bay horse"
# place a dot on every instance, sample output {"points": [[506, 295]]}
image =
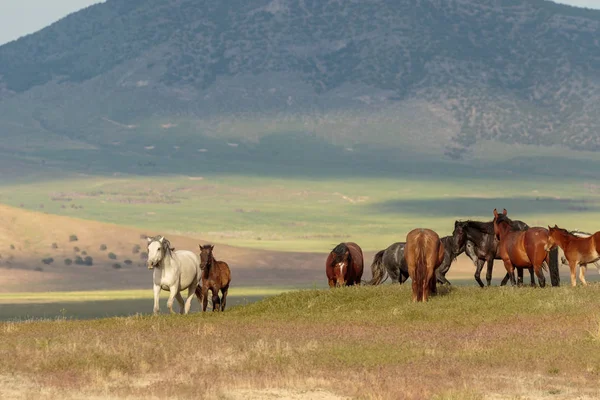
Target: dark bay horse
{"points": [[216, 277], [519, 248], [482, 246], [344, 265], [391, 262], [577, 249], [424, 253]]}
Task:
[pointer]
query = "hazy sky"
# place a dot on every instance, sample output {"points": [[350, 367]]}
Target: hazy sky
{"points": [[21, 17]]}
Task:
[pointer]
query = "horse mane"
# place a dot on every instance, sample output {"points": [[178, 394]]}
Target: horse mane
{"points": [[340, 249], [209, 262], [504, 218], [564, 231], [484, 227], [166, 245]]}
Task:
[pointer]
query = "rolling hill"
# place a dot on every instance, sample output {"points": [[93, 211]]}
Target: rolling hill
{"points": [[130, 82]]}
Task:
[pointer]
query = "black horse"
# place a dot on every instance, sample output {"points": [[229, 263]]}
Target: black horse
{"points": [[482, 245], [391, 263]]}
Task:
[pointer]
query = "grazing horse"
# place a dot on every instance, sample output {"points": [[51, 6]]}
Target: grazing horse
{"points": [[482, 246], [577, 249], [344, 265], [215, 276], [391, 262], [520, 248], [424, 253], [174, 271]]}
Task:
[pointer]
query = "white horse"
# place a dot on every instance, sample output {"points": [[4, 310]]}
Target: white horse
{"points": [[174, 271]]}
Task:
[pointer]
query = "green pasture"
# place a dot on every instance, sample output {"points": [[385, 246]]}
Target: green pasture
{"points": [[309, 214]]}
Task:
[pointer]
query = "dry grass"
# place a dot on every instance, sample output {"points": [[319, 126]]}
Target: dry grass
{"points": [[367, 342]]}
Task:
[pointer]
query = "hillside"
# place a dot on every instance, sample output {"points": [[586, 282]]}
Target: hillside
{"points": [[191, 79]]}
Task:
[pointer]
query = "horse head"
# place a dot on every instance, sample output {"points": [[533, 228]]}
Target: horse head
{"points": [[341, 263], [158, 247], [459, 236], [205, 255], [498, 219], [555, 237]]}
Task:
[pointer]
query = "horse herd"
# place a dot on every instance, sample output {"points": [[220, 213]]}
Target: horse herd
{"points": [[426, 258]]}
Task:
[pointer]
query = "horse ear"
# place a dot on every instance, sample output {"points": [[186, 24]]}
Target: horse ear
{"points": [[504, 211], [212, 246], [149, 239], [200, 246], [495, 213], [162, 239]]}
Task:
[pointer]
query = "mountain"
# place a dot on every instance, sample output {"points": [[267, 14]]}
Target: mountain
{"points": [[128, 77]]}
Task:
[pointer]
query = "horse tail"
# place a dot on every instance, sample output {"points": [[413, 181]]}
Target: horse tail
{"points": [[420, 266], [553, 265], [378, 270]]}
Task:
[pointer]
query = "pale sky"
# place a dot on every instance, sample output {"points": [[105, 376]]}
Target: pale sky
{"points": [[21, 17]]}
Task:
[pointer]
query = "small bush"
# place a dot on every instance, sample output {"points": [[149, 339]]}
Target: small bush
{"points": [[12, 246], [128, 262], [76, 249], [39, 269], [84, 253], [54, 246], [136, 249], [79, 260], [88, 261], [112, 256], [68, 261], [73, 238], [143, 236], [144, 255], [117, 266], [103, 247], [48, 260]]}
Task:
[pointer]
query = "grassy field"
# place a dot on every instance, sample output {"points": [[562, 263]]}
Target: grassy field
{"points": [[308, 214], [366, 342]]}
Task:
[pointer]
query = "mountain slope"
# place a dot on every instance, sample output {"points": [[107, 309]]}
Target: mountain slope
{"points": [[433, 75]]}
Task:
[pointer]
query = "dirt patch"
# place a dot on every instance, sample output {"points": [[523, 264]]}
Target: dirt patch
{"points": [[281, 394]]}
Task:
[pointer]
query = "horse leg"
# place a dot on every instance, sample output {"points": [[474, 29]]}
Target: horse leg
{"points": [[403, 277], [582, 269], [478, 272], [215, 299], [510, 269], [156, 297], [204, 298], [191, 292], [331, 283], [519, 277], [531, 276], [433, 284], [173, 291], [224, 297], [179, 299], [540, 275], [572, 267], [488, 274]]}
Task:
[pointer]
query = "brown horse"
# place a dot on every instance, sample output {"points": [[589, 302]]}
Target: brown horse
{"points": [[344, 265], [578, 250], [520, 249], [424, 253], [215, 276]]}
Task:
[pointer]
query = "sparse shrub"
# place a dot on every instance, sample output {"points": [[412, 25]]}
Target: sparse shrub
{"points": [[84, 253], [48, 260], [117, 266], [54, 246], [143, 236], [73, 238], [144, 255], [136, 249], [12, 246], [112, 256], [76, 249], [39, 269], [79, 260], [128, 262], [68, 261], [88, 261], [103, 247]]}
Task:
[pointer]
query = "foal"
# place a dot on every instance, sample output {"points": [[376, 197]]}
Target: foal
{"points": [[215, 276]]}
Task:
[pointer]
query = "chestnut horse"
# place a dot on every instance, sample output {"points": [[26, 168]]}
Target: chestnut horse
{"points": [[215, 276], [424, 253], [344, 265], [522, 249], [577, 249]]}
